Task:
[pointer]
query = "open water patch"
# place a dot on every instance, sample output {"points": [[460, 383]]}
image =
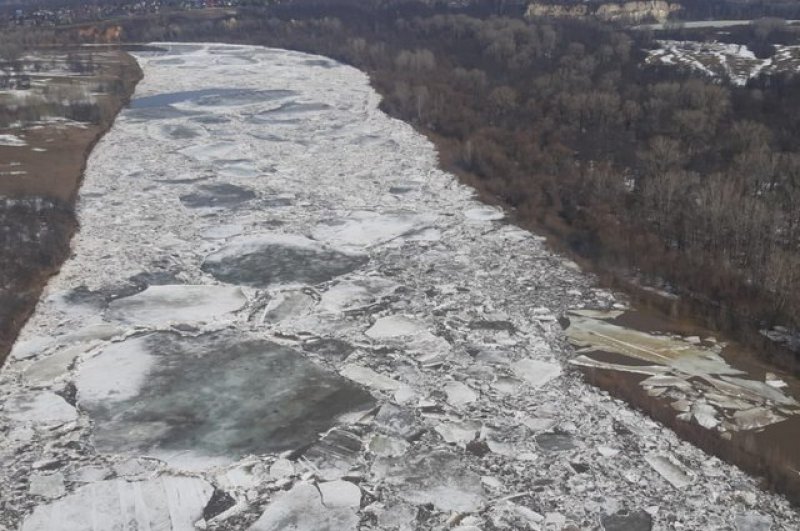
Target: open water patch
{"points": [[171, 98], [263, 260], [220, 195], [216, 396]]}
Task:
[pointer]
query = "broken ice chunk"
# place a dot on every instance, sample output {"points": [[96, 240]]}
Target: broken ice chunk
{"points": [[681, 405], [555, 442], [369, 378], [302, 508], [404, 394], [459, 394], [607, 451], [436, 477], [385, 446], [537, 424], [773, 381], [394, 326], [39, 408], [350, 295], [159, 305], [669, 470], [282, 468], [755, 389], [507, 385], [174, 503], [458, 432], [755, 418], [638, 520], [586, 361], [340, 493], [48, 369], [606, 315], [667, 380], [30, 347], [752, 521], [397, 421], [222, 232], [365, 229], [705, 415], [536, 373], [484, 213], [48, 486], [288, 305], [335, 454]]}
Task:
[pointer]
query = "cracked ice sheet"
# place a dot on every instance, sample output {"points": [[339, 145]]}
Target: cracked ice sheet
{"points": [[685, 368], [324, 144]]}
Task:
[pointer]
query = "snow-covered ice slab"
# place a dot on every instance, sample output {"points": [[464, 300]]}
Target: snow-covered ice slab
{"points": [[303, 508], [344, 335], [395, 326], [364, 229], [168, 503], [39, 409], [160, 305]]}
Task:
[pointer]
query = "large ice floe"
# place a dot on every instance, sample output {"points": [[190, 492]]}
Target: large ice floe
{"points": [[281, 315]]}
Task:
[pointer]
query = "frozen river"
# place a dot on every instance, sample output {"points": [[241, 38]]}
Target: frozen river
{"points": [[280, 314]]}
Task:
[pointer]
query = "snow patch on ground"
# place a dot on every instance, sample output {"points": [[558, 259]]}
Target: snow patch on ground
{"points": [[735, 62], [12, 140]]}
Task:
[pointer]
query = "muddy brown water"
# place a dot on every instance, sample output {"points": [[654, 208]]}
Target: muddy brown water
{"points": [[771, 453], [54, 159]]}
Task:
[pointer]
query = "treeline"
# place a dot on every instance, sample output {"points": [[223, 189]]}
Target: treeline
{"points": [[649, 171], [739, 9]]}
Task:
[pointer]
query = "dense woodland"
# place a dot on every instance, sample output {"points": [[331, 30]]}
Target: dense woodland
{"points": [[652, 173]]}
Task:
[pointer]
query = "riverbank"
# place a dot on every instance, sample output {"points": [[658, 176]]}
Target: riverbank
{"points": [[50, 131]]}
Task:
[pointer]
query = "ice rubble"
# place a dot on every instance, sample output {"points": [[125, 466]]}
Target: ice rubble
{"points": [[701, 385], [350, 342]]}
